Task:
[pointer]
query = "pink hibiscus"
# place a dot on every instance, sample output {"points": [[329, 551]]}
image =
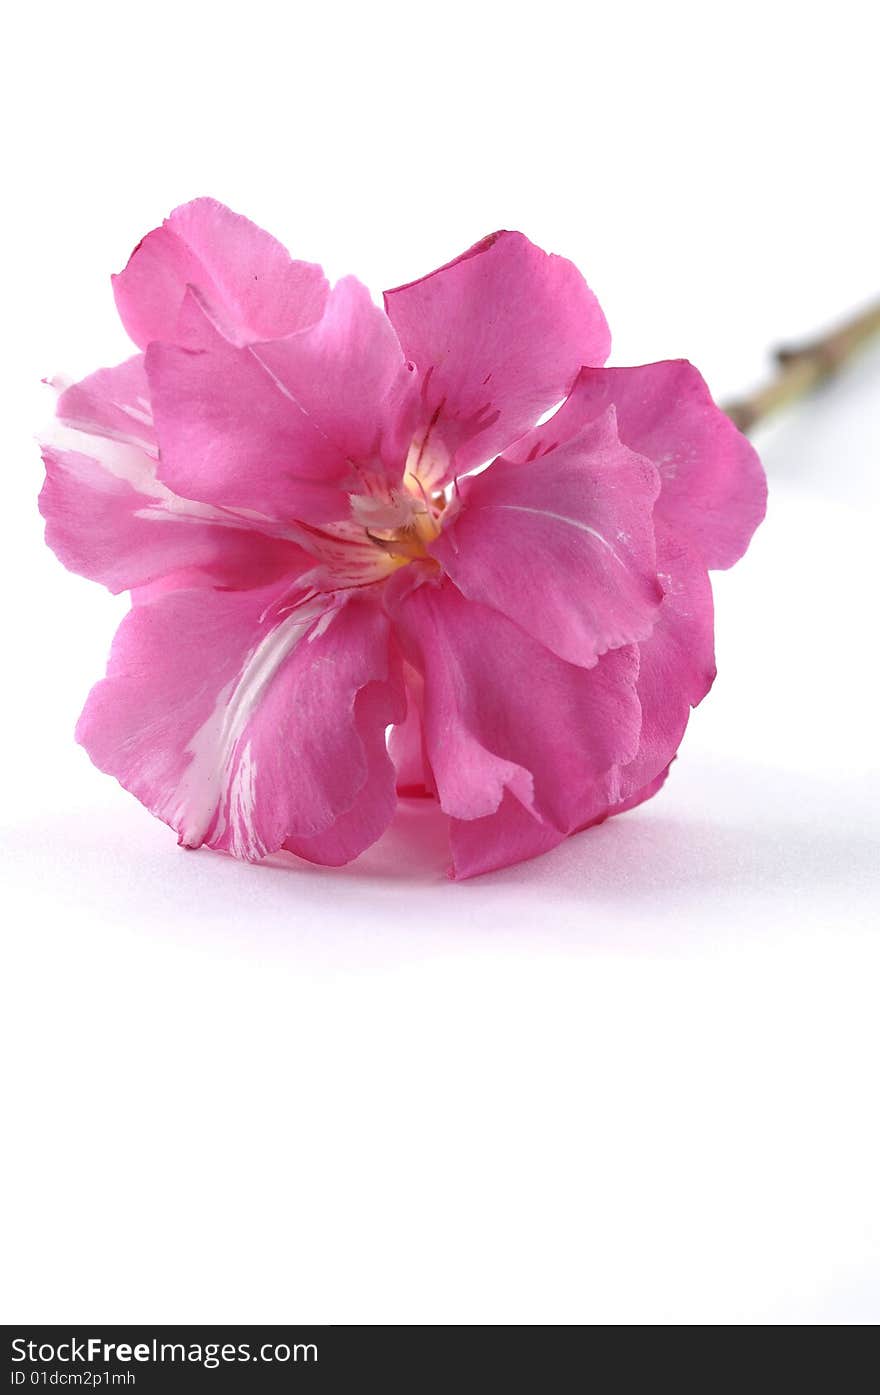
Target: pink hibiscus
{"points": [[331, 606]]}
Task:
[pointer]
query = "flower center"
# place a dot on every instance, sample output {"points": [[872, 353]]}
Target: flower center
{"points": [[412, 539], [403, 524], [389, 527]]}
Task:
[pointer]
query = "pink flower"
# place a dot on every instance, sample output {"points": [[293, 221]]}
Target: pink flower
{"points": [[284, 479]]}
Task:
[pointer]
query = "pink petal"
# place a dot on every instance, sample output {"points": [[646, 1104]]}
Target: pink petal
{"points": [[255, 289], [713, 490], [349, 374], [406, 742], [231, 434], [373, 809], [676, 669], [502, 713], [264, 739], [104, 528], [498, 336], [113, 402], [108, 516], [640, 795], [512, 834], [677, 662], [563, 545]]}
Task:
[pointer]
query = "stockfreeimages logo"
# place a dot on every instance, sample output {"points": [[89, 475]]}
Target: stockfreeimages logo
{"points": [[94, 1351]]}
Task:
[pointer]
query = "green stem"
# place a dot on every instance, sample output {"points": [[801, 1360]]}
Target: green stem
{"points": [[803, 368]]}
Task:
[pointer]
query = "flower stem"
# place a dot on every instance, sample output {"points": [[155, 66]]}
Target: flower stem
{"points": [[800, 369]]}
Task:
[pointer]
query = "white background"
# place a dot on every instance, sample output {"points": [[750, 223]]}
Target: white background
{"points": [[636, 1080]]}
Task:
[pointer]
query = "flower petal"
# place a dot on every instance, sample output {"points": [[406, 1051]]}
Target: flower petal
{"points": [[231, 434], [373, 809], [676, 669], [113, 402], [504, 713], [713, 489], [263, 739], [641, 795], [109, 518], [563, 545], [677, 662], [255, 289], [512, 834], [406, 742], [498, 336], [349, 374]]}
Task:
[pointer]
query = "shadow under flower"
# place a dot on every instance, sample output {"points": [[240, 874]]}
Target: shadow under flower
{"points": [[773, 849], [647, 853]]}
